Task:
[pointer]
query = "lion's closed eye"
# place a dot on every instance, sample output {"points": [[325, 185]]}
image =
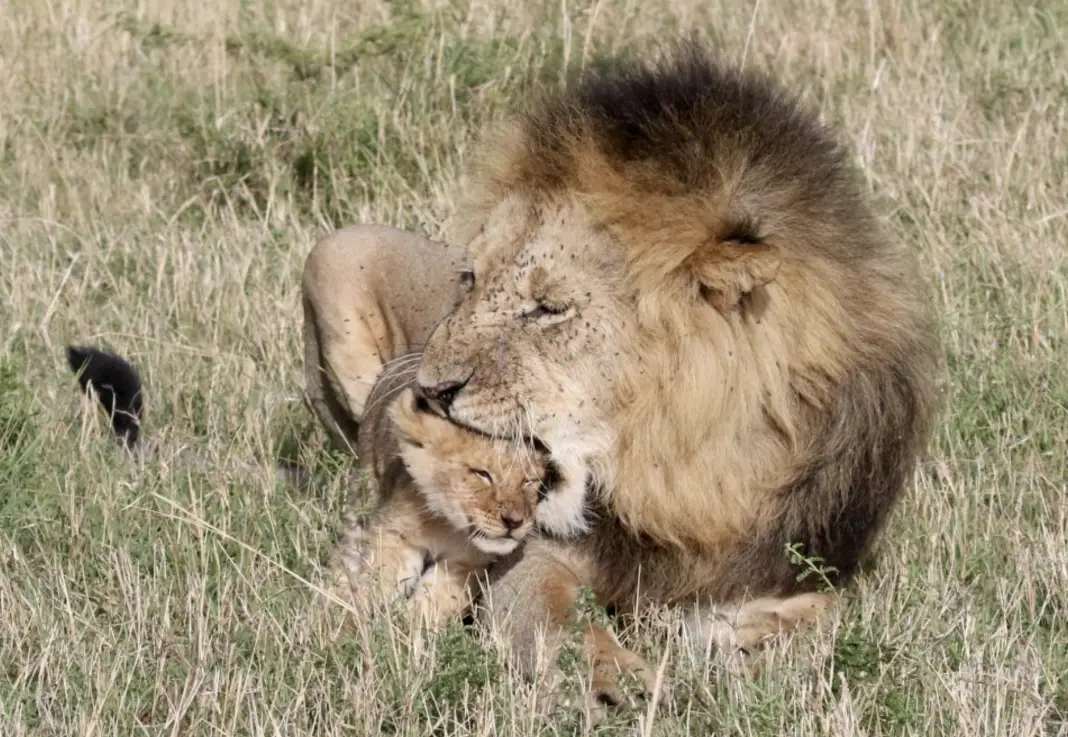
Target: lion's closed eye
{"points": [[482, 474], [548, 312]]}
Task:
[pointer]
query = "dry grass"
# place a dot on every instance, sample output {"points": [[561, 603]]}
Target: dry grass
{"points": [[163, 171]]}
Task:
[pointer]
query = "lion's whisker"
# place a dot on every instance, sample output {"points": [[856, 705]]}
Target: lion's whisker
{"points": [[413, 356], [401, 370], [384, 397]]}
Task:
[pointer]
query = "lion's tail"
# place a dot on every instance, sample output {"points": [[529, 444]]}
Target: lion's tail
{"points": [[117, 385]]}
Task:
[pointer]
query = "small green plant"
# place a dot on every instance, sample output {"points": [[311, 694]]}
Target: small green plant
{"points": [[466, 668], [811, 566]]}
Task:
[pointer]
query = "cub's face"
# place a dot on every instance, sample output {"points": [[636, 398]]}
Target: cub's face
{"points": [[486, 488]]}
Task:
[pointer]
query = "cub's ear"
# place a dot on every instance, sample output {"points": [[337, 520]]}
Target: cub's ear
{"points": [[733, 267]]}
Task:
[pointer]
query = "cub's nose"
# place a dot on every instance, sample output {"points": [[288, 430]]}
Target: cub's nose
{"points": [[511, 520], [442, 394]]}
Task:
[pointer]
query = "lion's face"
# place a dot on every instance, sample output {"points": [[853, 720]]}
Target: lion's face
{"points": [[535, 344], [481, 486]]}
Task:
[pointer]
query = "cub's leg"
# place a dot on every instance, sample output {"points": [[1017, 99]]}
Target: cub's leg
{"points": [[389, 558], [380, 563], [369, 294], [531, 603]]}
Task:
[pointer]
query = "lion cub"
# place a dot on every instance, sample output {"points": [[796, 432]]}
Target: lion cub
{"points": [[465, 501]]}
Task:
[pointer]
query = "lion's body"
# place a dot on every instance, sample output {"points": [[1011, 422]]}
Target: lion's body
{"points": [[678, 287], [750, 362]]}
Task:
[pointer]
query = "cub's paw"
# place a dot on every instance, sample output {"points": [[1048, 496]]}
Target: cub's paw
{"points": [[439, 596]]}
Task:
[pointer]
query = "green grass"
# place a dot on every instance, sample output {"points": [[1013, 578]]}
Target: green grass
{"points": [[165, 167]]}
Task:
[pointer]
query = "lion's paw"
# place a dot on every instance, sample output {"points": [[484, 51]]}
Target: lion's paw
{"points": [[619, 677], [439, 598], [742, 632]]}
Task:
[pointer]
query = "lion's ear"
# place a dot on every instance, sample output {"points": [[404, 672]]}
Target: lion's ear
{"points": [[728, 271]]}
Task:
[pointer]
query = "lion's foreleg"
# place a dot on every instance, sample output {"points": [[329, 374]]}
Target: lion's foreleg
{"points": [[330, 401], [343, 357], [741, 631], [532, 607], [370, 294]]}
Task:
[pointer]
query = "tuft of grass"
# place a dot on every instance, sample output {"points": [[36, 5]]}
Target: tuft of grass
{"points": [[165, 167]]}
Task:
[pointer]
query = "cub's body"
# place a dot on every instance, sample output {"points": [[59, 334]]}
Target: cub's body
{"points": [[448, 503]]}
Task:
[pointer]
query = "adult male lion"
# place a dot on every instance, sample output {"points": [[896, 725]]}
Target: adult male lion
{"points": [[675, 284]]}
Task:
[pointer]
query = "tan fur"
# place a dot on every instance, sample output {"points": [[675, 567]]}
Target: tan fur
{"points": [[742, 630], [441, 524], [678, 288]]}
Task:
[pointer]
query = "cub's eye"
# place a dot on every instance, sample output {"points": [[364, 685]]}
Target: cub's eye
{"points": [[467, 279], [484, 475], [542, 311]]}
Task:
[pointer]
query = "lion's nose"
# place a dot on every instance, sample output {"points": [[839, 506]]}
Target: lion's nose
{"points": [[511, 520], [444, 393]]}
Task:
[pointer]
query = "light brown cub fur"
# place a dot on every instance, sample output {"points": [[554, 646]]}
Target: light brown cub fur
{"points": [[465, 501]]}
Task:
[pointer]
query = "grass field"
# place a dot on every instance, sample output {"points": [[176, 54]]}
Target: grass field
{"points": [[165, 167]]}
